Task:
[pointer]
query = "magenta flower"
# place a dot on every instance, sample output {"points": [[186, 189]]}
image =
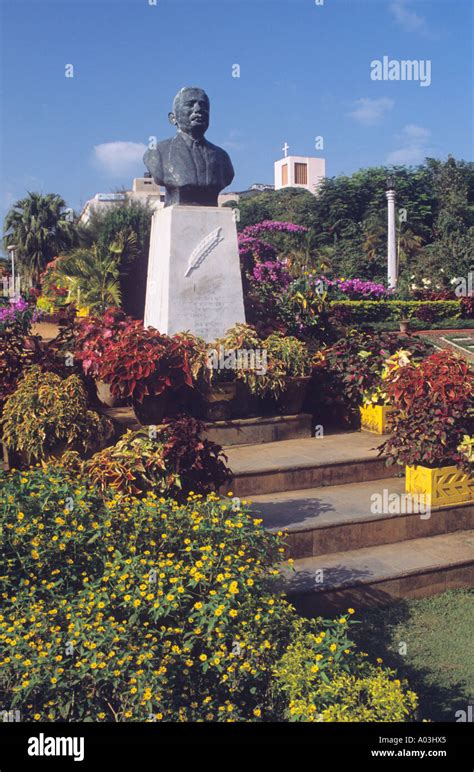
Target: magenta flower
{"points": [[272, 272], [273, 226]]}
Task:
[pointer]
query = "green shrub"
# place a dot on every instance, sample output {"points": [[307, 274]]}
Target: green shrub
{"points": [[147, 609], [367, 312], [321, 682], [47, 415]]}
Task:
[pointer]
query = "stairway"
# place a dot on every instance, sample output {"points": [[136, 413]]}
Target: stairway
{"points": [[319, 491], [329, 495]]}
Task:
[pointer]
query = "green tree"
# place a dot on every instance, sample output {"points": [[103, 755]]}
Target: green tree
{"points": [[41, 228], [92, 274], [105, 228]]}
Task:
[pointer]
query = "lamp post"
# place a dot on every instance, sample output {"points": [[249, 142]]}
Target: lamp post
{"points": [[11, 248], [392, 263]]}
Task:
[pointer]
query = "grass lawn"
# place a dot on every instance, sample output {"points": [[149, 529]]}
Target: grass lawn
{"points": [[438, 633]]}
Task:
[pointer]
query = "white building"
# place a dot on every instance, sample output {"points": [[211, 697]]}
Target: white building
{"points": [[143, 189], [298, 171]]}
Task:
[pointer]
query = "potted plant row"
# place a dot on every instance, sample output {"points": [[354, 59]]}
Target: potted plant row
{"points": [[433, 427], [238, 375]]}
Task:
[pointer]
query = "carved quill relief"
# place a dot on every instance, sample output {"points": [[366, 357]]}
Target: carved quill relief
{"points": [[203, 249]]}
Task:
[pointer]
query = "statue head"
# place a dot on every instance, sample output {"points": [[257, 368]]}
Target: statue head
{"points": [[191, 111]]}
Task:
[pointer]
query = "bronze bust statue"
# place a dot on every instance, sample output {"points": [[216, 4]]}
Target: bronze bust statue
{"points": [[193, 170]]}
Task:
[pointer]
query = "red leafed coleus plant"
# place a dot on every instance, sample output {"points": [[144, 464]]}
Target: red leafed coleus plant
{"points": [[434, 411], [143, 362], [93, 337]]}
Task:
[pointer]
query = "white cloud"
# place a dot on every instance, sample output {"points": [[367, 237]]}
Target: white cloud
{"points": [[406, 18], [369, 112], [414, 144], [120, 159], [415, 133]]}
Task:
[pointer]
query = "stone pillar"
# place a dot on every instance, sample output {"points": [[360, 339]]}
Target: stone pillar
{"points": [[392, 268], [194, 281]]}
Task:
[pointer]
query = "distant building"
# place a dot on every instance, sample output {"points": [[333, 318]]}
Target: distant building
{"points": [[297, 171], [254, 190], [144, 189]]}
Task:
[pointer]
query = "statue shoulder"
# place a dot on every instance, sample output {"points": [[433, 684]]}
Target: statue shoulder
{"points": [[153, 158], [218, 150]]}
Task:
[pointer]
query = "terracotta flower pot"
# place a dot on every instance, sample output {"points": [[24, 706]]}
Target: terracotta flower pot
{"points": [[246, 404], [291, 401], [154, 408], [217, 401], [404, 325], [105, 396]]}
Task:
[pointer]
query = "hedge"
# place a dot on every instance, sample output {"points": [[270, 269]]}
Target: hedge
{"points": [[363, 312]]}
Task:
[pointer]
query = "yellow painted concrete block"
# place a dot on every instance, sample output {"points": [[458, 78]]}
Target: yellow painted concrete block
{"points": [[374, 417], [444, 485]]}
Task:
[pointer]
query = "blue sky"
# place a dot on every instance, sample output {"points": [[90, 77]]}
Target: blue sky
{"points": [[304, 72]]}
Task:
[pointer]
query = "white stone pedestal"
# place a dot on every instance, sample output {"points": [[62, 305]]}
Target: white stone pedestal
{"points": [[194, 280]]}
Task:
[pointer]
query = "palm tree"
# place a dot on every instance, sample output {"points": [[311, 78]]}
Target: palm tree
{"points": [[308, 256], [40, 226], [409, 245], [92, 274], [375, 235]]}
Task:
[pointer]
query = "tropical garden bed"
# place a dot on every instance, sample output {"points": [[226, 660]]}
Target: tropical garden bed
{"points": [[134, 591]]}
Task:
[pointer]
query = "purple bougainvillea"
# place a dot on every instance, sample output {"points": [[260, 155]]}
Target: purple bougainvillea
{"points": [[273, 226], [358, 288], [272, 272], [252, 249], [354, 289], [18, 314]]}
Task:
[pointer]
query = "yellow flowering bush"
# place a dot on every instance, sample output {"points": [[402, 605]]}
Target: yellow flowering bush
{"points": [[125, 609]]}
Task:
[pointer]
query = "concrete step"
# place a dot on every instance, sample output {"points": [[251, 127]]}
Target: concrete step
{"points": [[375, 576], [255, 431], [348, 517], [289, 465], [239, 431]]}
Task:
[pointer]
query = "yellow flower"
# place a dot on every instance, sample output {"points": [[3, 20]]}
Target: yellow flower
{"points": [[257, 712], [203, 657]]}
